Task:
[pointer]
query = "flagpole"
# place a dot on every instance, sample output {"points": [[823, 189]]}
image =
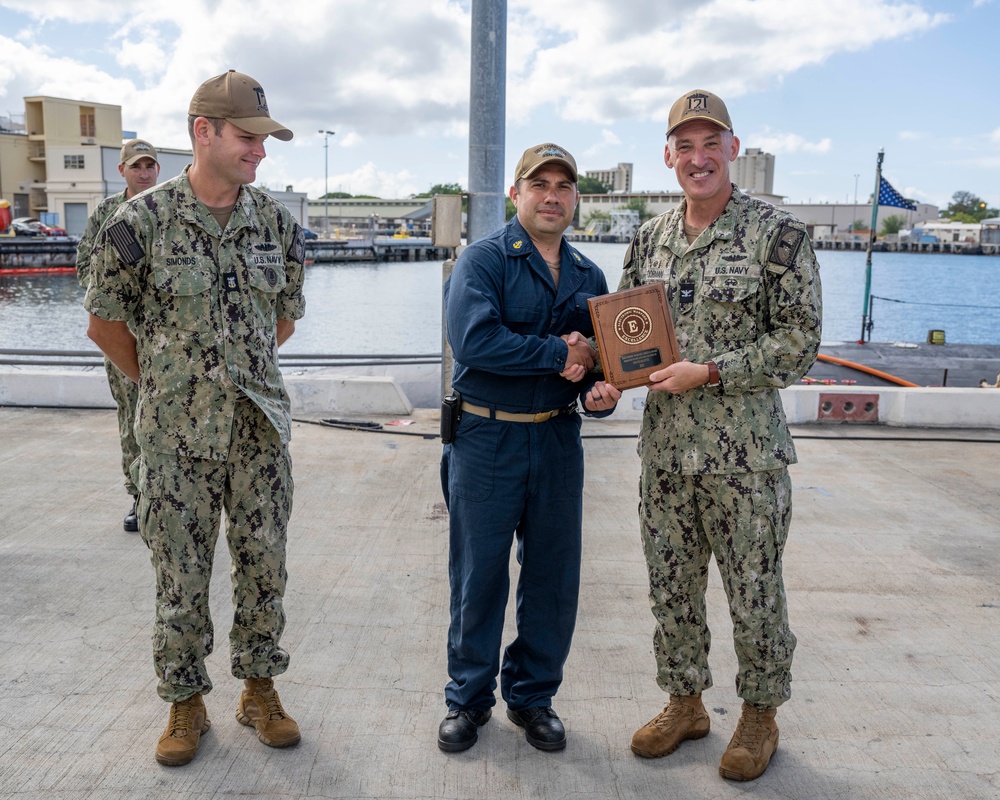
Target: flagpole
{"points": [[866, 322]]}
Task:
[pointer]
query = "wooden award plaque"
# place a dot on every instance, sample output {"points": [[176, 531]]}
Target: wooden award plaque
{"points": [[635, 334]]}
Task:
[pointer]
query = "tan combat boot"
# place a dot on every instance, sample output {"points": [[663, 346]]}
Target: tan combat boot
{"points": [[682, 718], [752, 745], [179, 742], [261, 708]]}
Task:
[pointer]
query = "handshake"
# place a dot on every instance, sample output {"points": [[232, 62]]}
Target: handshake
{"points": [[580, 359]]}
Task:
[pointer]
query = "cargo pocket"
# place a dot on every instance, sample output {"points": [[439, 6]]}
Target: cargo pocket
{"points": [[184, 298], [730, 305]]}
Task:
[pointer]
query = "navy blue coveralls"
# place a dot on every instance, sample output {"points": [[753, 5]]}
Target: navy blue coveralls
{"points": [[501, 479]]}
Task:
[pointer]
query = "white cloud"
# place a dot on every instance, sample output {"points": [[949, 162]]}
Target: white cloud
{"points": [[383, 68], [777, 143], [609, 138], [358, 65], [632, 60], [910, 136], [350, 139], [392, 78], [608, 143], [369, 179]]}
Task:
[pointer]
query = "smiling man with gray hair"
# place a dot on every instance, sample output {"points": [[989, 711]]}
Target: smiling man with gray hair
{"points": [[744, 292]]}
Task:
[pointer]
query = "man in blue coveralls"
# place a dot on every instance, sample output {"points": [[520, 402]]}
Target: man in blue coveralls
{"points": [[517, 321]]}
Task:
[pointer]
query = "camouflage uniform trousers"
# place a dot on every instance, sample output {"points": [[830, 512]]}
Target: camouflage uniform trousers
{"points": [[180, 505], [126, 394], [743, 519]]}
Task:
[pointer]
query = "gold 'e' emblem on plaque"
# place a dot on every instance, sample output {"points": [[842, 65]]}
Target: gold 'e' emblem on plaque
{"points": [[633, 325]]}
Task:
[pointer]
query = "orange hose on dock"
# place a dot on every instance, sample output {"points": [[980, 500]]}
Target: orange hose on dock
{"points": [[869, 370]]}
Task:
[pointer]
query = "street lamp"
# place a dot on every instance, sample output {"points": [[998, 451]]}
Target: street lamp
{"points": [[326, 172]]}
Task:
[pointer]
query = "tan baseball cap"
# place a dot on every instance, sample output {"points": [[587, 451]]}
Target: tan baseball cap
{"points": [[699, 104], [534, 158], [134, 149], [239, 99]]}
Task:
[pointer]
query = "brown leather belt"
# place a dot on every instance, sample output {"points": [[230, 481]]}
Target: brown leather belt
{"points": [[507, 416]]}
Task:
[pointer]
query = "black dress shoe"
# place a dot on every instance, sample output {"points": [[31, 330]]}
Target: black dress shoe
{"points": [[542, 727], [459, 730], [131, 523]]}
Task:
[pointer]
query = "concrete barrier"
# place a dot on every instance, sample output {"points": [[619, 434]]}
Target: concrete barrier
{"points": [[900, 406], [896, 406], [310, 393], [55, 388], [336, 392], [317, 394]]}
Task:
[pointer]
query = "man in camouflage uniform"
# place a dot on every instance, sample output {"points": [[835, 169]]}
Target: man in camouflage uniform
{"points": [[140, 169], [744, 292], [211, 272]]}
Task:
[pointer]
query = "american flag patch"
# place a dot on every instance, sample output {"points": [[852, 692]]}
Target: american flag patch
{"points": [[125, 244]]}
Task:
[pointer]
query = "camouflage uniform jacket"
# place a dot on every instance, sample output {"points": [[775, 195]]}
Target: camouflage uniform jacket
{"points": [[89, 239], [205, 304], [746, 295]]}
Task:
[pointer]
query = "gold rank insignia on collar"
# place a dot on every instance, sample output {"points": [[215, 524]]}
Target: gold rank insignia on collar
{"points": [[517, 244]]}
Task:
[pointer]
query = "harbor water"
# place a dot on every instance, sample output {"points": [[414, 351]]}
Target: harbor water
{"points": [[395, 308]]}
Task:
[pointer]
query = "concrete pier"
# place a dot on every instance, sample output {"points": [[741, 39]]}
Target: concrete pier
{"points": [[952, 248], [892, 571]]}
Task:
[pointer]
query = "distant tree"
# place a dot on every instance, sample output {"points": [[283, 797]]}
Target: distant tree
{"points": [[592, 186], [639, 204], [441, 188], [511, 209], [596, 216], [961, 216], [967, 207], [337, 196], [893, 224]]}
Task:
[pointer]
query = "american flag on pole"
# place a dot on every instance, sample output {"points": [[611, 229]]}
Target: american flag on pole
{"points": [[887, 196]]}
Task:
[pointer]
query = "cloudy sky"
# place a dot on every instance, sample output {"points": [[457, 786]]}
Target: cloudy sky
{"points": [[822, 85]]}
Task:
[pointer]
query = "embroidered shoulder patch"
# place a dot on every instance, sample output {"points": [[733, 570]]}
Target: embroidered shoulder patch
{"points": [[297, 250], [786, 245], [125, 244]]}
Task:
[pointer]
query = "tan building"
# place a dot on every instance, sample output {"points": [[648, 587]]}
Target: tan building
{"points": [[360, 216], [753, 172], [60, 159], [656, 202], [618, 179]]}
